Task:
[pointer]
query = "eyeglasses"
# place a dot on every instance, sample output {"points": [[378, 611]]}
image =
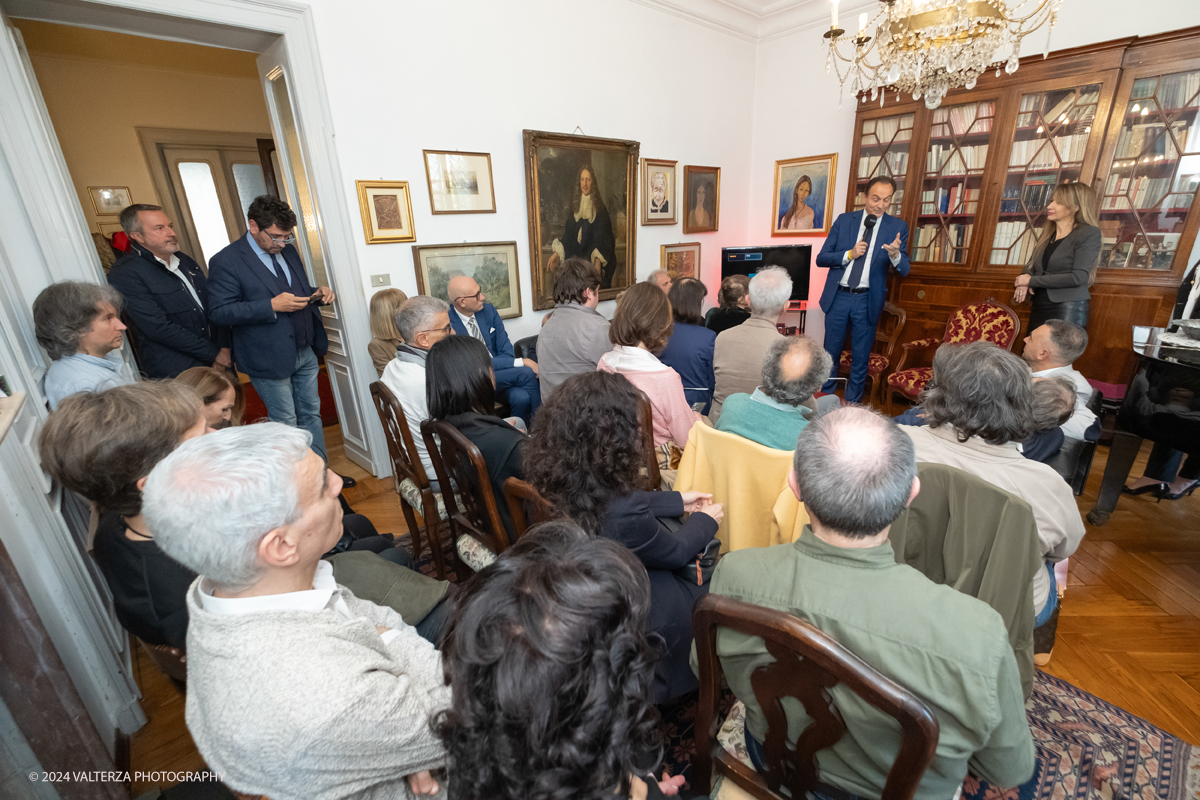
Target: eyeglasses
{"points": [[289, 239], [445, 330], [475, 296]]}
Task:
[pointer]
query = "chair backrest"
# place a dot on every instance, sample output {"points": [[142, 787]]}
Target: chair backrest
{"points": [[646, 414], [171, 660], [526, 348], [887, 336], [465, 484], [987, 321], [526, 505], [406, 463], [808, 663]]}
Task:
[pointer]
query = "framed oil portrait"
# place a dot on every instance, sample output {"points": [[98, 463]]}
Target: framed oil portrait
{"points": [[386, 208], [803, 204], [460, 183], [109, 199], [493, 265], [681, 260], [582, 201], [659, 192], [702, 199]]}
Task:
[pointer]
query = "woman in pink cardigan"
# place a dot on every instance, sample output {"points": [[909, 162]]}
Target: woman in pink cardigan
{"points": [[641, 328]]}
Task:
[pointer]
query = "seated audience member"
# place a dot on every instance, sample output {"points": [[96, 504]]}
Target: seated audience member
{"points": [[855, 472], [689, 351], [1050, 351], [384, 336], [422, 322], [584, 458], [738, 355], [516, 378], [794, 368], [978, 406], [460, 389], [78, 324], [522, 650], [224, 405], [734, 308], [278, 652], [574, 335], [660, 278], [640, 329]]}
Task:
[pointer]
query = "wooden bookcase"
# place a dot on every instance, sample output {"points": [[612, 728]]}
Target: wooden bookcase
{"points": [[974, 175]]}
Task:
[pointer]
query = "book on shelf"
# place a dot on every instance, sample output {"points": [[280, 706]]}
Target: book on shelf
{"points": [[895, 162], [1149, 140], [1174, 91], [1038, 154], [1013, 243], [943, 243], [888, 129], [1122, 193], [957, 199], [956, 160], [1036, 193]]}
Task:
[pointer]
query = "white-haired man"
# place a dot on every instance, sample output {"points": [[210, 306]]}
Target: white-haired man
{"points": [[739, 352], [296, 688], [662, 279], [422, 322]]}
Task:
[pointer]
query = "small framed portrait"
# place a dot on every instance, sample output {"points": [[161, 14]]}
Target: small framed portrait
{"points": [[803, 198], [109, 199], [702, 196], [493, 265], [681, 260], [460, 183], [659, 195], [386, 208], [107, 229]]}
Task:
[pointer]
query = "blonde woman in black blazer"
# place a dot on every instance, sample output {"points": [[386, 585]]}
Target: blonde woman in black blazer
{"points": [[1064, 263]]}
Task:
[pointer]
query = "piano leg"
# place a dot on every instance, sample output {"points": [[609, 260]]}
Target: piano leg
{"points": [[1121, 455]]}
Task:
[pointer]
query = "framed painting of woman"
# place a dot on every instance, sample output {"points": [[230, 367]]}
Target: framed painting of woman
{"points": [[702, 190], [582, 202], [803, 197]]}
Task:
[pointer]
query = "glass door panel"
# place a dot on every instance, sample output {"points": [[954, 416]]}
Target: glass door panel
{"points": [[249, 182], [883, 150], [204, 205]]}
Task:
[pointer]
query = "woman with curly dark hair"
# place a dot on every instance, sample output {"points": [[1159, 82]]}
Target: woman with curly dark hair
{"points": [[584, 457], [550, 667]]}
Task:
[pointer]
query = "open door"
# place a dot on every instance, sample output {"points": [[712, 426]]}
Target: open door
{"points": [[294, 185]]}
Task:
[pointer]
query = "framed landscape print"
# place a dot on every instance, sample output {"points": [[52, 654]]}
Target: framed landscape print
{"points": [[582, 201], [659, 195], [681, 260], [460, 183], [803, 197], [493, 265], [702, 193], [386, 208], [109, 199]]}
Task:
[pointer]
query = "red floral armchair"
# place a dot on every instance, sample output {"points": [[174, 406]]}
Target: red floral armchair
{"points": [[881, 352], [987, 321]]}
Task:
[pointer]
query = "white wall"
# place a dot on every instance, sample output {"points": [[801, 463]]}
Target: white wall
{"points": [[796, 103], [470, 75]]}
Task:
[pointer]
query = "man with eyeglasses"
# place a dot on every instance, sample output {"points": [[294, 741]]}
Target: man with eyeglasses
{"points": [[257, 285]]}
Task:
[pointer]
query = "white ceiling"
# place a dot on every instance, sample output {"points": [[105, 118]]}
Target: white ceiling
{"points": [[757, 20]]}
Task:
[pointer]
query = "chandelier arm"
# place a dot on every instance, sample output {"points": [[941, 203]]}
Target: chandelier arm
{"points": [[1042, 6]]}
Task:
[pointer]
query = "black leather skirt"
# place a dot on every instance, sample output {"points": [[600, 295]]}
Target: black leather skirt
{"points": [[1073, 311]]}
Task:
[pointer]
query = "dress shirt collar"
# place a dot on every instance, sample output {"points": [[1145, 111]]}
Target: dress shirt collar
{"points": [[761, 397], [947, 434], [314, 599], [465, 319], [623, 358], [113, 360], [880, 556], [1066, 369], [263, 255]]}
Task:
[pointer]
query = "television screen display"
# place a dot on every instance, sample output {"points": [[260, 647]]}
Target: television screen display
{"points": [[795, 258]]}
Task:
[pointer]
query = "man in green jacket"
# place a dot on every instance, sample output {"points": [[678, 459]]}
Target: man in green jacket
{"points": [[855, 471]]}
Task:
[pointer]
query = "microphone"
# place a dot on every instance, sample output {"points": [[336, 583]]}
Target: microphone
{"points": [[868, 225]]}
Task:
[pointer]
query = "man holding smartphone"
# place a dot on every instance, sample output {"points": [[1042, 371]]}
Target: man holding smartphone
{"points": [[257, 285]]}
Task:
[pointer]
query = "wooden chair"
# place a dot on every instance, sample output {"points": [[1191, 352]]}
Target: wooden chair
{"points": [[881, 353], [466, 493], [521, 497], [171, 660], [646, 413], [987, 321], [408, 475], [807, 664]]}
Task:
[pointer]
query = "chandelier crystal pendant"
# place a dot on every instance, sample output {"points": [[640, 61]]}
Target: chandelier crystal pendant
{"points": [[928, 47]]}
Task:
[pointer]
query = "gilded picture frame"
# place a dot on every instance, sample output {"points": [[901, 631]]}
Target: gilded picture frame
{"points": [[493, 265], [659, 192], [459, 183], [815, 175], [681, 260], [702, 199], [109, 200], [565, 220], [386, 208]]}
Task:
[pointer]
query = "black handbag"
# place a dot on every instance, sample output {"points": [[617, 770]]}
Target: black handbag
{"points": [[698, 570]]}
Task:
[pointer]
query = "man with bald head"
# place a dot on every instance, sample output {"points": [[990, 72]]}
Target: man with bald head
{"points": [[516, 378], [855, 472], [793, 368]]}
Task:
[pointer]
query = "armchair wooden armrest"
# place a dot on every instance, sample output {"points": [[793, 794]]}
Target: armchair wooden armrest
{"points": [[908, 347]]}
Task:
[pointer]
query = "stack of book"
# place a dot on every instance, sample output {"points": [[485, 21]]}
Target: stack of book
{"points": [[953, 160], [1147, 193], [945, 244], [887, 129], [1014, 243], [1038, 154], [896, 163], [1149, 141], [957, 199], [964, 119]]}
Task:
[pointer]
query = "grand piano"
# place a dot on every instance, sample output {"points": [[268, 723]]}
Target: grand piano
{"points": [[1162, 404]]}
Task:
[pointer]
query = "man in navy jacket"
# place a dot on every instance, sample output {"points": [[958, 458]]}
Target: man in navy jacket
{"points": [[166, 298], [860, 248], [257, 286], [516, 378]]}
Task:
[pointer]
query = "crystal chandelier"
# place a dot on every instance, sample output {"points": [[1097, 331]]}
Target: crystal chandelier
{"points": [[928, 47]]}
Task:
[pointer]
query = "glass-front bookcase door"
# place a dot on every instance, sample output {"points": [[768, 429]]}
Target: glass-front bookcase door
{"points": [[883, 150]]}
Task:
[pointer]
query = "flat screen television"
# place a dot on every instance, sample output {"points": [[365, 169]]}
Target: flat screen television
{"points": [[795, 258]]}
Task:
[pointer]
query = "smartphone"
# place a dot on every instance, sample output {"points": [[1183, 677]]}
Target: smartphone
{"points": [[316, 298]]}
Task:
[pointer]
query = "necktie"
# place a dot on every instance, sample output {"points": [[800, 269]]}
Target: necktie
{"points": [[473, 329], [280, 270], [856, 270]]}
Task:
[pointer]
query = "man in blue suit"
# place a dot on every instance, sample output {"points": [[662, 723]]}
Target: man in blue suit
{"points": [[257, 285], [516, 378], [860, 248]]}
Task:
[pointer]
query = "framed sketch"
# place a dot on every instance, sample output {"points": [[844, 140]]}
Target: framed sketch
{"points": [[460, 183], [107, 229], [493, 265], [681, 260], [109, 199], [659, 195], [803, 197], [582, 201], [702, 199], [386, 208]]}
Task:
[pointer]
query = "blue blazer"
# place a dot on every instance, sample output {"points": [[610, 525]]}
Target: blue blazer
{"points": [[842, 237], [240, 288], [494, 335], [689, 352]]}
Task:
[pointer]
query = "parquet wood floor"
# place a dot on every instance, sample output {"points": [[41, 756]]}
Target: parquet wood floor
{"points": [[1129, 631]]}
